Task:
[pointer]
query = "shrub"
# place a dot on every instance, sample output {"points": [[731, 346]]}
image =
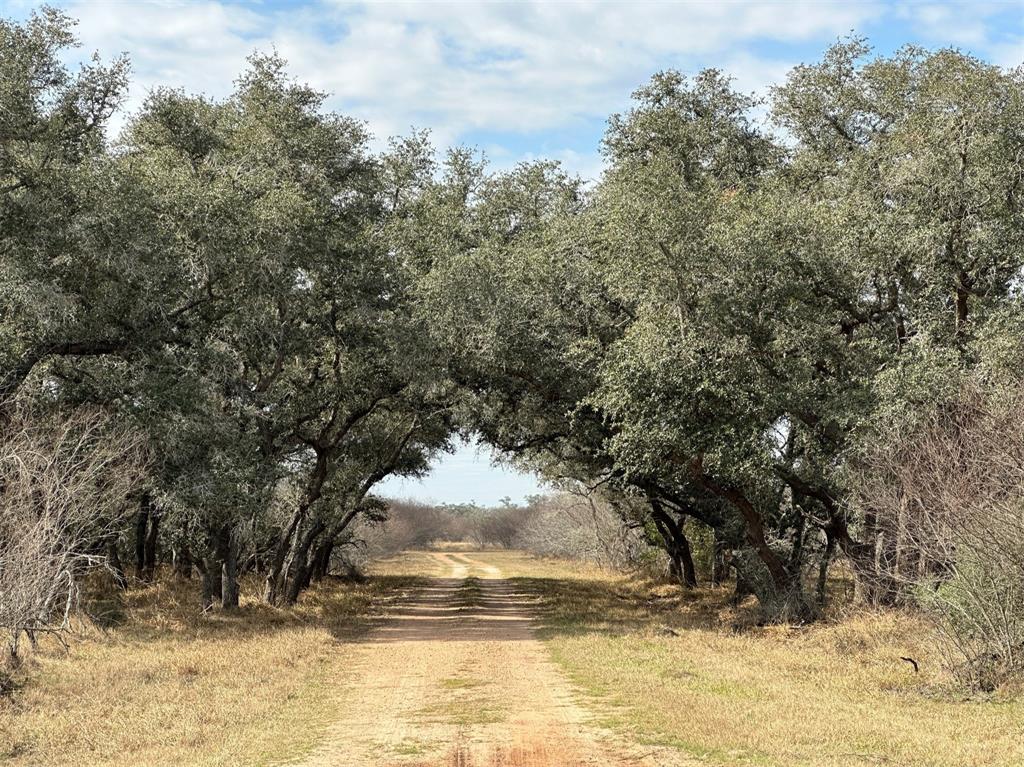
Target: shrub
{"points": [[64, 480], [949, 501]]}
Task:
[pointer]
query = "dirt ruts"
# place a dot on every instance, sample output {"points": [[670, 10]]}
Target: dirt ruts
{"points": [[455, 675]]}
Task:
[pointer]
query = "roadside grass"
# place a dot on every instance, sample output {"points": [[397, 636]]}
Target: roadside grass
{"points": [[163, 684], [151, 681], [408, 563], [690, 673]]}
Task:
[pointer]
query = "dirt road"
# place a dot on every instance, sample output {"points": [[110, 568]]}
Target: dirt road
{"points": [[454, 675]]}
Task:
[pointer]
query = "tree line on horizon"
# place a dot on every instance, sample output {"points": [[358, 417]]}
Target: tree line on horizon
{"points": [[801, 334]]}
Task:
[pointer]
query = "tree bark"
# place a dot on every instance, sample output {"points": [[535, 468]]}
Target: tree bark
{"points": [[141, 526], [211, 581], [676, 544], [826, 558], [183, 562], [227, 553], [114, 563]]}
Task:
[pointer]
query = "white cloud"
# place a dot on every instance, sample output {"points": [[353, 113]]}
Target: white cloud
{"points": [[456, 68], [487, 67]]}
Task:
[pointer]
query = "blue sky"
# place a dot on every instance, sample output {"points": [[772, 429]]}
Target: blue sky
{"points": [[516, 80], [466, 476]]}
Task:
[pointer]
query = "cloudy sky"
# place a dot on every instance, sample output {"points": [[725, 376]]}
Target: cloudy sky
{"points": [[516, 80]]}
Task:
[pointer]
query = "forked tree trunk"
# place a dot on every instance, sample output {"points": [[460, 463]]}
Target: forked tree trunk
{"points": [[676, 545]]}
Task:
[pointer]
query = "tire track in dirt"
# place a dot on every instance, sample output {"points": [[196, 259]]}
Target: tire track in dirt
{"points": [[454, 675]]}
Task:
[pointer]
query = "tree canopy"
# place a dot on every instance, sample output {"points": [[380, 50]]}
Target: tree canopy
{"points": [[755, 292]]}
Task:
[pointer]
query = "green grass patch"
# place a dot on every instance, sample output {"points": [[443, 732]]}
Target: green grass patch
{"points": [[464, 711], [460, 683]]}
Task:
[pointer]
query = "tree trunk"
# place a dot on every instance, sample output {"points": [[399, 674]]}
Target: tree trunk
{"points": [[114, 563], [211, 581], [676, 544], [784, 581], [301, 566], [183, 561], [141, 526], [151, 541], [322, 559], [276, 574], [826, 558], [227, 553]]}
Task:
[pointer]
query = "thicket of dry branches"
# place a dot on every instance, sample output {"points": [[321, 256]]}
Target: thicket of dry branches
{"points": [[570, 525], [949, 501], [584, 527], [64, 482]]}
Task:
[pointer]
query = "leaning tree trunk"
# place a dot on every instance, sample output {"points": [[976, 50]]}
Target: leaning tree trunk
{"points": [[676, 545], [301, 563], [322, 559], [277, 573]]}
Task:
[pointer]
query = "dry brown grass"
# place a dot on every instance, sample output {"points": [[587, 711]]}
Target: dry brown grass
{"points": [[168, 686], [684, 674], [691, 674]]}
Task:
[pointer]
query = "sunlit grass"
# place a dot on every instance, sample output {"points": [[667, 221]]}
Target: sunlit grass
{"points": [[169, 686], [165, 685], [690, 673]]}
